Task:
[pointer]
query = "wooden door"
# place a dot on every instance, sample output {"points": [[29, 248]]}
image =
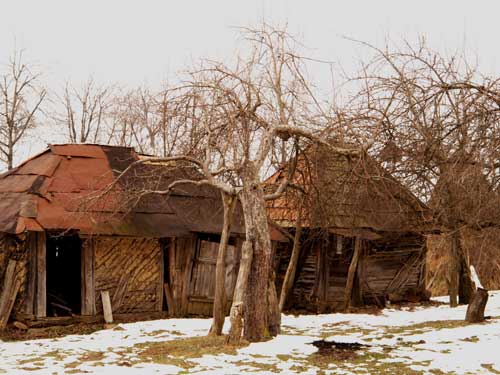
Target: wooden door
{"points": [[202, 285]]}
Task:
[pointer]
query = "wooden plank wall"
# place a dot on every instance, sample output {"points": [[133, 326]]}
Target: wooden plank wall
{"points": [[391, 267], [130, 269], [180, 259], [202, 285], [192, 263], [18, 248], [391, 272]]}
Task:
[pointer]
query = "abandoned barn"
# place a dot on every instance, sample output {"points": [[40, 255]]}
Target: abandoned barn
{"points": [[362, 238], [69, 232]]}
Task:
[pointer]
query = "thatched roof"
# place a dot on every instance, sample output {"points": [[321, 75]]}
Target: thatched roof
{"points": [[57, 190], [346, 194]]}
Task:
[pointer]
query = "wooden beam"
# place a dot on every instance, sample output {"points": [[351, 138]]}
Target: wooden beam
{"points": [[170, 300], [190, 247], [352, 272], [41, 276], [294, 258], [106, 307], [161, 278], [87, 277], [29, 305]]}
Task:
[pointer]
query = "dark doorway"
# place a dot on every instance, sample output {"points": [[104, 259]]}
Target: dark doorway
{"points": [[64, 275]]}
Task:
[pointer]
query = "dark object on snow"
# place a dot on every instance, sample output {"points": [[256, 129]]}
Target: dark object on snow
{"points": [[475, 310], [339, 350]]}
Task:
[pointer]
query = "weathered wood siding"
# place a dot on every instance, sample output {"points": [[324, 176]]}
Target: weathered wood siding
{"points": [[192, 262], [131, 270], [384, 273], [384, 268], [202, 285], [16, 248]]}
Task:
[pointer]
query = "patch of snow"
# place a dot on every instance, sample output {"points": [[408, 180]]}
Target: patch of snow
{"points": [[465, 348]]}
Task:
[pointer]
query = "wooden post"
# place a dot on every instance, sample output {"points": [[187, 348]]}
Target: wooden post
{"points": [[352, 272], [87, 276], [236, 314], [185, 257], [106, 307], [219, 306], [292, 265], [29, 308], [160, 287], [170, 300], [41, 276]]}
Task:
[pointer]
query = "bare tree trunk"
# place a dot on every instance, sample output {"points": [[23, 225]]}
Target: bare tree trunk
{"points": [[236, 314], [460, 288], [292, 266], [219, 311], [352, 272], [454, 272], [257, 232], [475, 310]]}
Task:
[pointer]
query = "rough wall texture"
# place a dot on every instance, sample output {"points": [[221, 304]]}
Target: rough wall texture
{"points": [[392, 270], [15, 247], [191, 273], [131, 270]]}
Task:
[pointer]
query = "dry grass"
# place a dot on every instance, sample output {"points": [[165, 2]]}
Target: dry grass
{"points": [[179, 352]]}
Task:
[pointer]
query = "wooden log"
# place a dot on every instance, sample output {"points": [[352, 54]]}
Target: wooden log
{"points": [[352, 272], [170, 299], [20, 325], [219, 306], [236, 314], [106, 307], [475, 310], [292, 265], [10, 289]]}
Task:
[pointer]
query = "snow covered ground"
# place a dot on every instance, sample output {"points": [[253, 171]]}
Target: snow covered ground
{"points": [[422, 340]]}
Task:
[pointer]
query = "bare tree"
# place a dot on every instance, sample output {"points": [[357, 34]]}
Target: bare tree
{"points": [[242, 120], [438, 130], [20, 101], [85, 111], [148, 121]]}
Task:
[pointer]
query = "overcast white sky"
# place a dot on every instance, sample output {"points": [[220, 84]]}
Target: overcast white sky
{"points": [[144, 41], [135, 42]]}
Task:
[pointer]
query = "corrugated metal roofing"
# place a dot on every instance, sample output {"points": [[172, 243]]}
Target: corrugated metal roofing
{"points": [[57, 190]]}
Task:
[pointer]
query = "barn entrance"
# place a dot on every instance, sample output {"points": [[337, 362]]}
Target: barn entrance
{"points": [[63, 275]]}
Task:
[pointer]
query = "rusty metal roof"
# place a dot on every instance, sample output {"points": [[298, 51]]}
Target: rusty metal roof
{"points": [[63, 188]]}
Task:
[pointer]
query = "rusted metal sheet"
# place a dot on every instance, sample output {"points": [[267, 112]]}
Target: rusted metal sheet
{"points": [[17, 183], [70, 193], [82, 174], [44, 165], [83, 151]]}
